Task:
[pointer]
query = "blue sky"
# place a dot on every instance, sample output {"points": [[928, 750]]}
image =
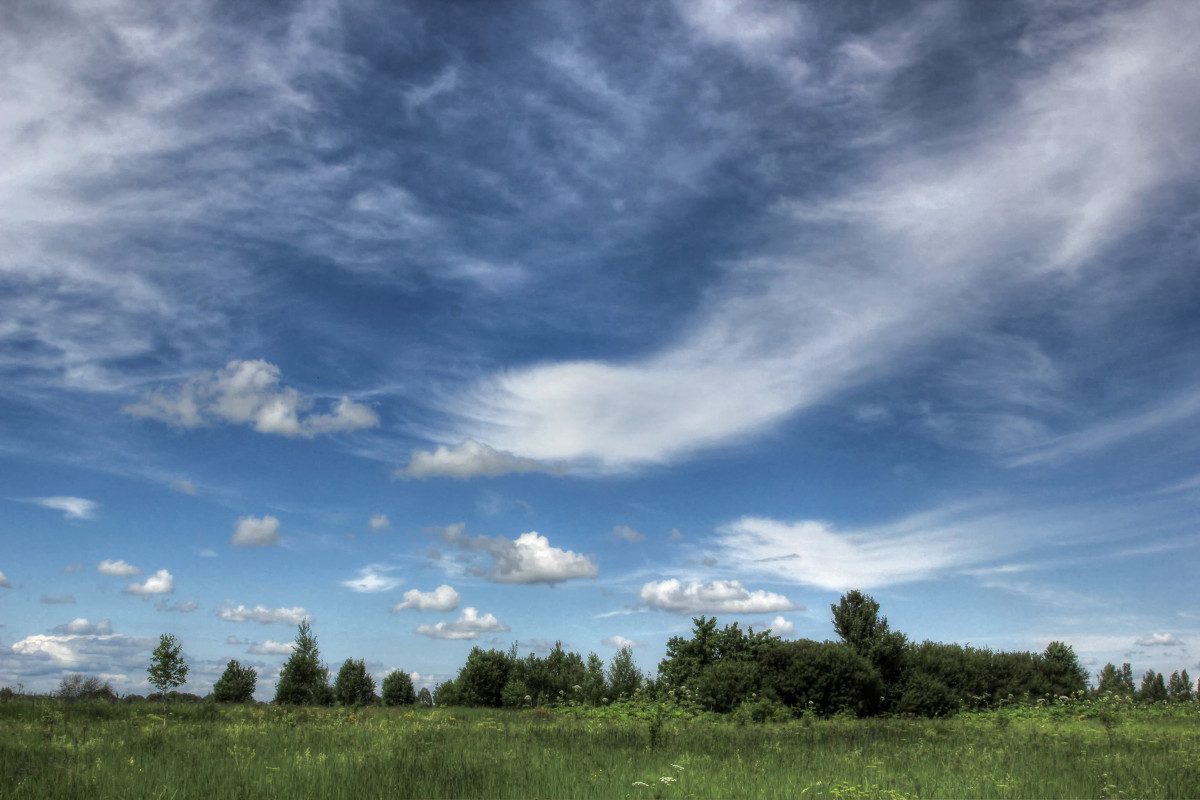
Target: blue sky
{"points": [[457, 324]]}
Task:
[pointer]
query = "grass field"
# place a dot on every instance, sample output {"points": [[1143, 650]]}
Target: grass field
{"points": [[50, 749]]}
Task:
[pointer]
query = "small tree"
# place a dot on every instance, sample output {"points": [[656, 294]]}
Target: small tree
{"points": [[79, 687], [1179, 687], [236, 684], [624, 678], [353, 686], [424, 698], [167, 668], [304, 680], [1153, 687], [398, 689]]}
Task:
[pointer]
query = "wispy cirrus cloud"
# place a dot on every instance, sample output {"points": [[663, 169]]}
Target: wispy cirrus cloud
{"points": [[374, 578], [468, 460], [72, 507]]}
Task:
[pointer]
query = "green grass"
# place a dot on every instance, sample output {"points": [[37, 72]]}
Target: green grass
{"points": [[49, 749]]}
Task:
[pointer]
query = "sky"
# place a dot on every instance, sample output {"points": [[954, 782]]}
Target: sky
{"points": [[445, 325]]}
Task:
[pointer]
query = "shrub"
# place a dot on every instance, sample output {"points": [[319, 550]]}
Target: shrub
{"points": [[79, 687]]}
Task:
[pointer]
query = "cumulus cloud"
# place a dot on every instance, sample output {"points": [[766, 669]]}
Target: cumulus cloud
{"points": [[373, 578], [380, 522], [255, 532], [468, 460], [183, 487], [91, 653], [72, 507], [1159, 640], [271, 648], [528, 559], [183, 608], [443, 598], [263, 614], [620, 642], [628, 534], [64, 600], [118, 567], [468, 626], [781, 627], [724, 597], [5, 582], [81, 627], [248, 392], [160, 582]]}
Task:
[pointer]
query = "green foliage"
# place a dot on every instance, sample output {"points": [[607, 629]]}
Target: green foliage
{"points": [[856, 620], [446, 694], [304, 680], [167, 668], [353, 686], [926, 696], [1061, 670], [516, 694], [481, 680], [624, 678], [595, 686], [1179, 687], [822, 677], [236, 684], [1118, 682], [1153, 689], [398, 689], [424, 698], [80, 687]]}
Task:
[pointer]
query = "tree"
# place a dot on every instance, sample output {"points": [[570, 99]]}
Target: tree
{"points": [[304, 680], [1153, 688], [78, 687], [594, 686], [856, 620], [1061, 668], [624, 678], [354, 687], [424, 698], [481, 680], [398, 689], [167, 668], [236, 684], [1117, 681], [1179, 687]]}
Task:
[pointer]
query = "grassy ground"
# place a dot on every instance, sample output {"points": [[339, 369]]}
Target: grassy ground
{"points": [[55, 750]]}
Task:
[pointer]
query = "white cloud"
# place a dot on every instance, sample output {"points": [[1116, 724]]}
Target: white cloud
{"points": [[119, 567], [1159, 640], [255, 532], [160, 582], [95, 653], [724, 597], [468, 626], [763, 32], [263, 614], [81, 627], [781, 627], [183, 608], [72, 507], [528, 559], [628, 534], [5, 582], [271, 648], [468, 460], [235, 640], [183, 487], [620, 642], [248, 392], [443, 598], [373, 578], [380, 522]]}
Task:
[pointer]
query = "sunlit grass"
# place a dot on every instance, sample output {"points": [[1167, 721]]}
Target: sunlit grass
{"points": [[53, 750]]}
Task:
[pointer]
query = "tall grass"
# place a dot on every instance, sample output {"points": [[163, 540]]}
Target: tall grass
{"points": [[55, 750]]}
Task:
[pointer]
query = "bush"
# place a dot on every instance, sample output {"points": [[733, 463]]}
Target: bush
{"points": [[79, 687], [398, 689], [926, 696], [236, 685]]}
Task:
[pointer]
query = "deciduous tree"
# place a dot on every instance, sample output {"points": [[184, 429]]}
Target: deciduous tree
{"points": [[167, 668], [236, 684], [398, 689]]}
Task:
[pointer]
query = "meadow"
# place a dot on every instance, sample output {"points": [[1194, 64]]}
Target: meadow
{"points": [[54, 749]]}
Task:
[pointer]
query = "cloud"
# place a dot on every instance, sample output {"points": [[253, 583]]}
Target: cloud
{"points": [[160, 582], [255, 532], [64, 600], [443, 598], [723, 597], [468, 460], [379, 522], [81, 627], [263, 614], [373, 578], [620, 642], [183, 608], [528, 559], [5, 582], [271, 648], [120, 568], [69, 568], [183, 487], [235, 640], [248, 392], [1159, 640], [628, 534], [72, 507], [95, 653], [914, 548], [468, 626], [781, 627]]}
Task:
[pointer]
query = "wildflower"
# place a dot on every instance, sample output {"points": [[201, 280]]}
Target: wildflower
{"points": [[676, 766], [639, 783], [666, 779]]}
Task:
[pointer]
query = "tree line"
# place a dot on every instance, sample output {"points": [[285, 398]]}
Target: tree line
{"points": [[869, 670]]}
